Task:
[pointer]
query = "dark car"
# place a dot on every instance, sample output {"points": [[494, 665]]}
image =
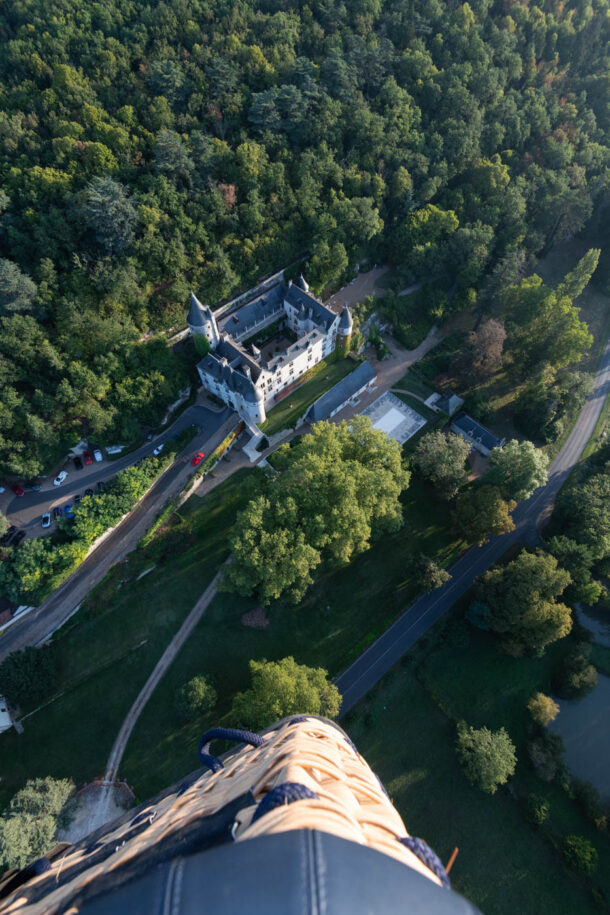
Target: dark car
{"points": [[88, 457], [32, 487], [18, 490], [76, 499], [88, 492], [8, 536], [100, 485], [18, 538], [57, 512], [78, 463], [68, 511]]}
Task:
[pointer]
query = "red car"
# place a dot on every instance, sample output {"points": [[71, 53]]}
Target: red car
{"points": [[87, 457], [197, 458], [18, 490]]}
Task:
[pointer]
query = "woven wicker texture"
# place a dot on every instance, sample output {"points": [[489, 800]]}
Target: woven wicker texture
{"points": [[350, 803]]}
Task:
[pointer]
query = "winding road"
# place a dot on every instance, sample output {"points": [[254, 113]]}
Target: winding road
{"points": [[39, 624], [529, 517]]}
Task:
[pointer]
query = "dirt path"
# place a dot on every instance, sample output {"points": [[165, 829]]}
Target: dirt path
{"points": [[168, 656]]}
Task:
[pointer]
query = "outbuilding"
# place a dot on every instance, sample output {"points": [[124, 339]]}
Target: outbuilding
{"points": [[346, 390], [481, 438]]}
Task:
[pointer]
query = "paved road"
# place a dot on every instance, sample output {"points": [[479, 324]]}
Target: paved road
{"points": [[166, 659], [40, 623], [26, 511], [529, 516]]}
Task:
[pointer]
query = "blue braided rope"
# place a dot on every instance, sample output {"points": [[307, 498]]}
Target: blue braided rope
{"points": [[299, 719], [351, 744], [381, 785], [281, 796], [212, 762], [428, 857]]}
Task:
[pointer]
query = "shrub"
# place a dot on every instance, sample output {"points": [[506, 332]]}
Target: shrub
{"points": [[576, 676], [28, 675], [487, 757], [546, 753], [543, 709], [195, 698], [537, 809], [580, 855], [587, 797]]}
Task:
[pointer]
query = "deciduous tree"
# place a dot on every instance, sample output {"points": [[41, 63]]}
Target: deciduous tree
{"points": [[521, 603], [518, 468], [487, 757], [282, 688], [441, 459]]}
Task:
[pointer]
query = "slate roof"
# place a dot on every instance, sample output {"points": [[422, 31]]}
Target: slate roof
{"points": [[198, 313], [341, 393], [449, 403], [345, 321], [232, 371], [321, 315], [475, 431], [254, 312]]}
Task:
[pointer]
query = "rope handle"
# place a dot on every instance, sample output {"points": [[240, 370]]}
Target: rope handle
{"points": [[236, 734]]}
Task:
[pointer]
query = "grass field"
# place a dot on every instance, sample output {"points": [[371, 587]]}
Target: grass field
{"points": [[322, 378], [341, 614], [406, 729], [414, 385], [109, 648]]}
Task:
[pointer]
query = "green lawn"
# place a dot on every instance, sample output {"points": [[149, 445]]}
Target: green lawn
{"points": [[342, 613], [321, 379], [107, 651], [414, 385], [406, 730]]}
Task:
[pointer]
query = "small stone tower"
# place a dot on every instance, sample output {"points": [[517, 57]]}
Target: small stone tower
{"points": [[201, 320], [344, 330]]}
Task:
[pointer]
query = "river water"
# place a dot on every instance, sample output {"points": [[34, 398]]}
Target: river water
{"points": [[584, 725]]}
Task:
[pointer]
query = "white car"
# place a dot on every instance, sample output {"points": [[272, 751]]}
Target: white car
{"points": [[46, 519], [158, 449], [60, 478], [97, 454]]}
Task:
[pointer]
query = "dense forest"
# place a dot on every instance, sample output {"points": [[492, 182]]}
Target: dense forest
{"points": [[150, 147]]}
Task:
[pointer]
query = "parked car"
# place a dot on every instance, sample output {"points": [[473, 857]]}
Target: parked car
{"points": [[78, 463], [157, 451], [57, 512], [18, 538], [77, 499], [17, 489], [197, 458], [68, 511], [88, 457], [88, 492], [149, 437], [100, 485], [61, 476], [46, 519], [8, 535], [97, 454], [32, 487]]}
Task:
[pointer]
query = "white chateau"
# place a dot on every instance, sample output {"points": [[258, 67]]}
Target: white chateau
{"points": [[244, 377]]}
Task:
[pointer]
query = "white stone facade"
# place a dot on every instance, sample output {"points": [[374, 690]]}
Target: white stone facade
{"points": [[237, 374]]}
